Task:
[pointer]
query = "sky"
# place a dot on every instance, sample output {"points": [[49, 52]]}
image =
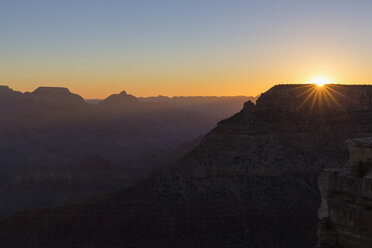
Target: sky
{"points": [[183, 47]]}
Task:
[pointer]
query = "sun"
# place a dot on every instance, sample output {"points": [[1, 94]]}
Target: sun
{"points": [[320, 81]]}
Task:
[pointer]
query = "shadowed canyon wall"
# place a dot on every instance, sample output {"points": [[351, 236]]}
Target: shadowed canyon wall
{"points": [[346, 209], [57, 149], [251, 182]]}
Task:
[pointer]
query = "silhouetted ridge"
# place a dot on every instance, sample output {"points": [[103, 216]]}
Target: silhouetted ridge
{"points": [[5, 91], [56, 96], [4, 88], [52, 90], [222, 106], [48, 136], [309, 96], [118, 100], [251, 182]]}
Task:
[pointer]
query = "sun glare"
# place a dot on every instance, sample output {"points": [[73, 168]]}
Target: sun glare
{"points": [[320, 81], [321, 93]]}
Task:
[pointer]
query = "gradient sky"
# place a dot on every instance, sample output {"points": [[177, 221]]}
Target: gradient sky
{"points": [[182, 47]]}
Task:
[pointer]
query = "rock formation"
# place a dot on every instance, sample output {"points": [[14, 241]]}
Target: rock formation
{"points": [[346, 209], [118, 101], [46, 135], [251, 182], [51, 125]]}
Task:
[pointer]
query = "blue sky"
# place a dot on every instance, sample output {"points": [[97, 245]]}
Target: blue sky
{"points": [[183, 47]]}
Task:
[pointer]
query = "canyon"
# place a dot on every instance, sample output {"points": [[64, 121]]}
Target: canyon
{"points": [[57, 149], [251, 182]]}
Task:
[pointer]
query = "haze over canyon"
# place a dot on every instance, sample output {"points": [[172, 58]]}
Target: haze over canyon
{"points": [[109, 174]]}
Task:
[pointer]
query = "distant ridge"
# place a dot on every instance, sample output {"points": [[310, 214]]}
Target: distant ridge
{"points": [[251, 182], [220, 106], [59, 90], [59, 147]]}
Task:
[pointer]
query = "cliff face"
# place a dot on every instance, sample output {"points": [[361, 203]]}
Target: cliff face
{"points": [[346, 209], [251, 182]]}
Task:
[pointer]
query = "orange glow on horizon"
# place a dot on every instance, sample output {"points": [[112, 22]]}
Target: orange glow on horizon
{"points": [[174, 86], [320, 81]]}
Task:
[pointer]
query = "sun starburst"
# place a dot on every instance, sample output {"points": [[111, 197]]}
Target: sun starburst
{"points": [[320, 81], [321, 95]]}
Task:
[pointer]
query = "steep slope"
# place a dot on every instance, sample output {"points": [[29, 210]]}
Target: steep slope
{"points": [[252, 182]]}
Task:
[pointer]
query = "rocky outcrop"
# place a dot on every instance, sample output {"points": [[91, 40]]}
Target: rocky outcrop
{"points": [[55, 96], [346, 209], [251, 182], [117, 102]]}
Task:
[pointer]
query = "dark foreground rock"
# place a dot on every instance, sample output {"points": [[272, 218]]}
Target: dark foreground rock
{"points": [[346, 210], [252, 182]]}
